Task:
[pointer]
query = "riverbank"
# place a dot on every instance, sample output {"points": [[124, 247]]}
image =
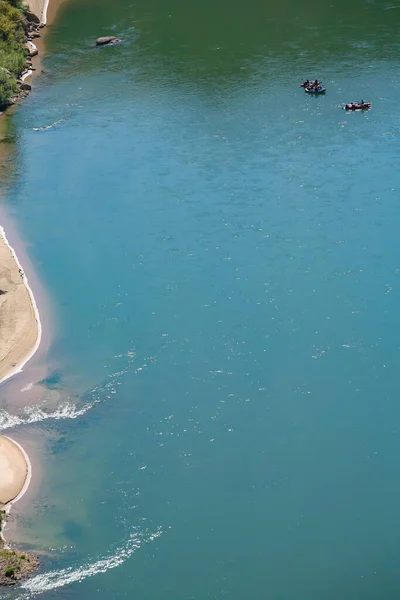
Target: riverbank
{"points": [[15, 566], [20, 335], [39, 8], [20, 329], [15, 472], [18, 26], [21, 30]]}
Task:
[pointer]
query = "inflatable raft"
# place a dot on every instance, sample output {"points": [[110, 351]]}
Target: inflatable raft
{"points": [[312, 91], [356, 106]]}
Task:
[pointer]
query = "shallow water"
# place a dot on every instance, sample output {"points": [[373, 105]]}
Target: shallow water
{"points": [[222, 253]]}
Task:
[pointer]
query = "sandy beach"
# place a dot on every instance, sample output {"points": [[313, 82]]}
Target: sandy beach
{"points": [[14, 470], [20, 332], [19, 319], [39, 8]]}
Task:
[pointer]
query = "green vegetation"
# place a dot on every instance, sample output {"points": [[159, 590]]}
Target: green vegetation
{"points": [[9, 572], [15, 566], [13, 27], [8, 88]]}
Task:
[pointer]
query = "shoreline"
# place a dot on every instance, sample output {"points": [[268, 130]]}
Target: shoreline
{"points": [[39, 8], [23, 388], [44, 12], [20, 338], [34, 25], [28, 476], [15, 469], [18, 367]]}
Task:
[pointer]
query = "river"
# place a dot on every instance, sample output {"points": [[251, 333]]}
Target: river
{"points": [[221, 254]]}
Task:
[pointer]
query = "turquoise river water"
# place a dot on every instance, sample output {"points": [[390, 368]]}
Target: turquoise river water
{"points": [[221, 257]]}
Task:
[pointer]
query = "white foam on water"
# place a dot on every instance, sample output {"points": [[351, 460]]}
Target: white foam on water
{"points": [[35, 414], [52, 580], [28, 387], [65, 410]]}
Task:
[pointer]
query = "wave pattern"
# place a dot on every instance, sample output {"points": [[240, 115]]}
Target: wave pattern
{"points": [[52, 580], [35, 414], [65, 410], [68, 409]]}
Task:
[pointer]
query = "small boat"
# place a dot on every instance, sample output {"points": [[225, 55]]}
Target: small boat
{"points": [[309, 90], [313, 86], [358, 106]]}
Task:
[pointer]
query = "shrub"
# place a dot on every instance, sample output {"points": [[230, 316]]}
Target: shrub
{"points": [[9, 572], [18, 4], [11, 29], [12, 48], [8, 88], [13, 61]]}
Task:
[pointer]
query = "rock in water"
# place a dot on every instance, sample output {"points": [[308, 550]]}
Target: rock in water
{"points": [[109, 39]]}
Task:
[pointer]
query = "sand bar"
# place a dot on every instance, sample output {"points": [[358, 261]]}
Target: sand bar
{"points": [[20, 328], [14, 471], [20, 333]]}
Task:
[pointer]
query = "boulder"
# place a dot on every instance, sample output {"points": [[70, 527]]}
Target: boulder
{"points": [[31, 17], [25, 24], [109, 39], [32, 50], [25, 87]]}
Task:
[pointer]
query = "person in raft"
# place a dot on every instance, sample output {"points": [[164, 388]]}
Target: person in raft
{"points": [[313, 85]]}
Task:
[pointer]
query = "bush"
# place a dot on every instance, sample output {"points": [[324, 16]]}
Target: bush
{"points": [[8, 88], [9, 572], [18, 4], [13, 61], [12, 48], [11, 28]]}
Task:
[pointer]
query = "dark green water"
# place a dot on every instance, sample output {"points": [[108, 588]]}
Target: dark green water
{"points": [[222, 254]]}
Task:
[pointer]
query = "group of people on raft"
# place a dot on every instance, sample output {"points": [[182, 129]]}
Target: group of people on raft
{"points": [[358, 105], [312, 86], [316, 86]]}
